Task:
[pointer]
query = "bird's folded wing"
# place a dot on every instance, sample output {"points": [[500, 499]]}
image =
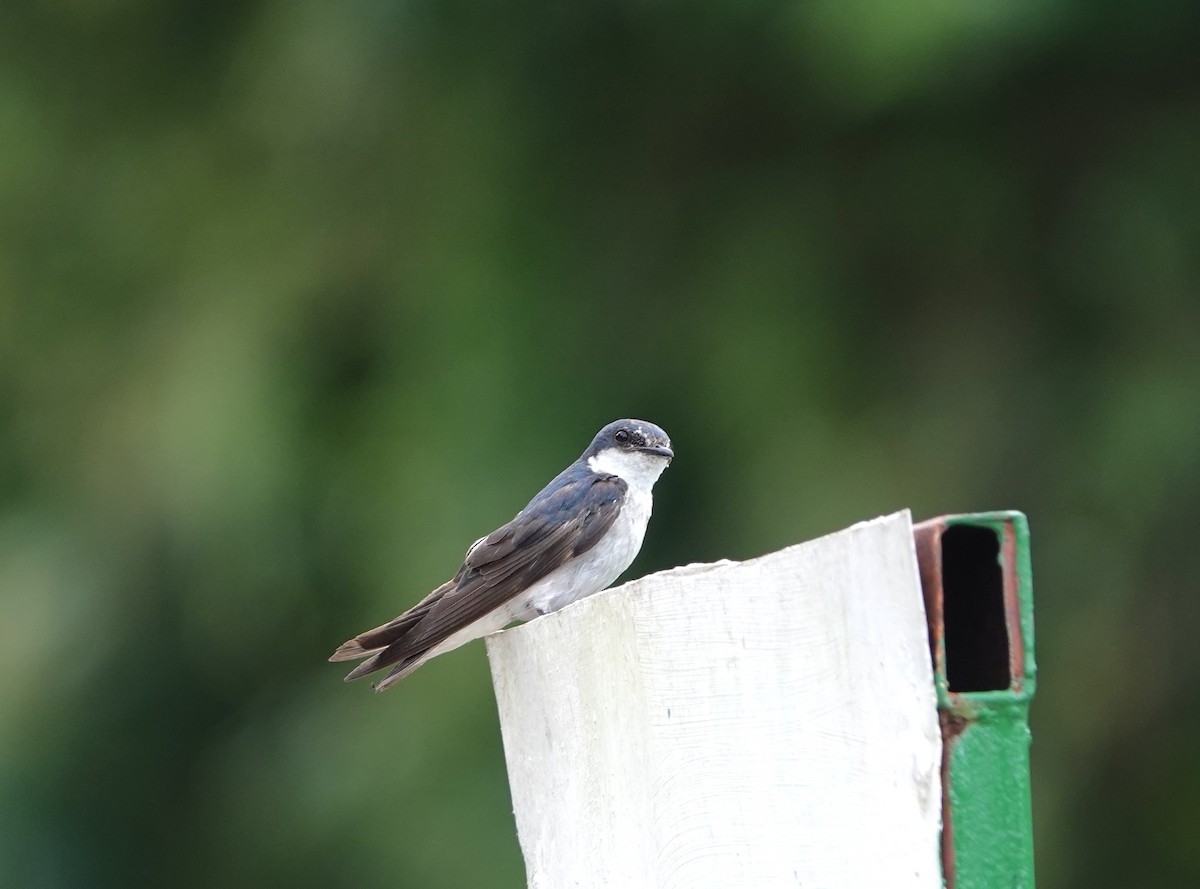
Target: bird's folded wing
{"points": [[548, 533], [562, 522]]}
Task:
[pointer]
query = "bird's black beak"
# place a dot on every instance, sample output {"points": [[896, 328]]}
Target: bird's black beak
{"points": [[660, 450]]}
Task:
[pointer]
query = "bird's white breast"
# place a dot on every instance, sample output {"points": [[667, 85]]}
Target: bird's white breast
{"points": [[615, 551]]}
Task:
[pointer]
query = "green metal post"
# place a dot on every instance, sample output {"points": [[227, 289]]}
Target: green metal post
{"points": [[977, 580]]}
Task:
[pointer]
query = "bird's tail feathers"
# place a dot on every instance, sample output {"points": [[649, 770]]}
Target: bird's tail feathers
{"points": [[373, 641], [402, 669], [383, 658], [351, 651], [379, 646]]}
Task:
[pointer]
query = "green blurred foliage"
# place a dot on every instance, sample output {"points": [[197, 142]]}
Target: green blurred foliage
{"points": [[296, 300]]}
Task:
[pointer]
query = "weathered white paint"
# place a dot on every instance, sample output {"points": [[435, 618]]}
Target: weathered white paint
{"points": [[758, 724]]}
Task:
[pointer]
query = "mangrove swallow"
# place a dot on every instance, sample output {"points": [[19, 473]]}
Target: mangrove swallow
{"points": [[572, 540]]}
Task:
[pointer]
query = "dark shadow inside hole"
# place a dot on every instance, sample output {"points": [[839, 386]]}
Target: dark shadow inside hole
{"points": [[973, 604]]}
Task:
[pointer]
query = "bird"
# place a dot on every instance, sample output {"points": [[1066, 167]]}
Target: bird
{"points": [[573, 539]]}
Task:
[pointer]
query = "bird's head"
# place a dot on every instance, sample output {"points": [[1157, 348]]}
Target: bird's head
{"points": [[634, 450]]}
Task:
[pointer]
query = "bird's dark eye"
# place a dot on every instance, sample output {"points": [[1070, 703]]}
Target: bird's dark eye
{"points": [[622, 436]]}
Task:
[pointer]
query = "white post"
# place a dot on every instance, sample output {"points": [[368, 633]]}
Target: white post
{"points": [[736, 725]]}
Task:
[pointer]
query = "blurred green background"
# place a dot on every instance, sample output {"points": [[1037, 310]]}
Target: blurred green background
{"points": [[297, 300]]}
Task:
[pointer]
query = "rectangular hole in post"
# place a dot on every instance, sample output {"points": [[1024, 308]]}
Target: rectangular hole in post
{"points": [[976, 637]]}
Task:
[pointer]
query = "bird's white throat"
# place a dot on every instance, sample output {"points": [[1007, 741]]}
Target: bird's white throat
{"points": [[637, 469]]}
